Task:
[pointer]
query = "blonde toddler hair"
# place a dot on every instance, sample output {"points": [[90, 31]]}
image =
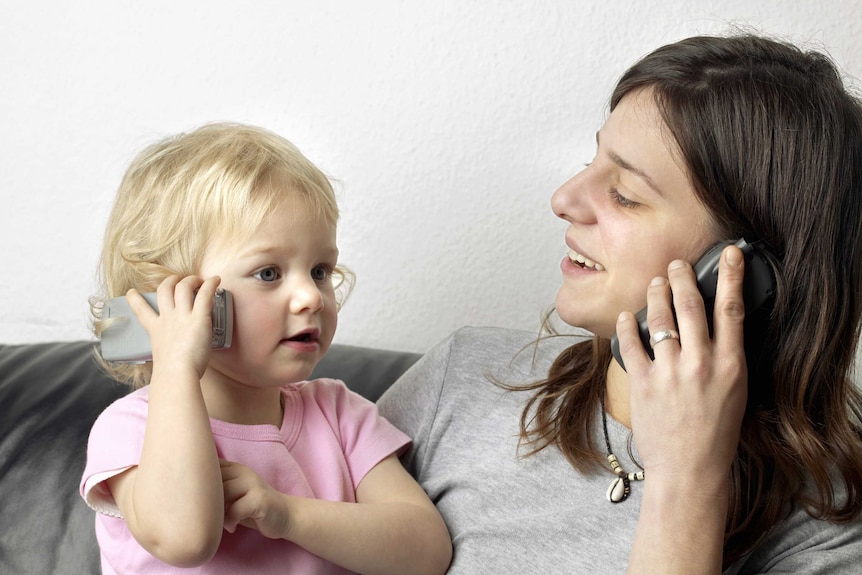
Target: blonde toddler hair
{"points": [[183, 192]]}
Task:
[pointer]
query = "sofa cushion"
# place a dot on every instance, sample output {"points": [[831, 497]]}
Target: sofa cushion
{"points": [[50, 394]]}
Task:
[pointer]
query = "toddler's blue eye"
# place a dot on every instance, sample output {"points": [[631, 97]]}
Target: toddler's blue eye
{"points": [[320, 273], [267, 274]]}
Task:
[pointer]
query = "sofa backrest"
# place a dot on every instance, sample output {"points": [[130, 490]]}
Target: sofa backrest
{"points": [[50, 394]]}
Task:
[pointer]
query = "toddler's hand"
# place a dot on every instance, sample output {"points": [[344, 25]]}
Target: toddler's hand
{"points": [[252, 502], [181, 332]]}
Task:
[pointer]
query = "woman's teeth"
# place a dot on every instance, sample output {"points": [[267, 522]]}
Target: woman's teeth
{"points": [[585, 262]]}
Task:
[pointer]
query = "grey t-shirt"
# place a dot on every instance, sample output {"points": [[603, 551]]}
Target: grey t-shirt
{"points": [[536, 514]]}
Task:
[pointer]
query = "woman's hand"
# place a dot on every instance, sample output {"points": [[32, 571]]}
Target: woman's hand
{"points": [[687, 405], [686, 412], [181, 331]]}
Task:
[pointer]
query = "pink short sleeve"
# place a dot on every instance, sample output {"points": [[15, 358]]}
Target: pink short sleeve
{"points": [[115, 444], [366, 438]]}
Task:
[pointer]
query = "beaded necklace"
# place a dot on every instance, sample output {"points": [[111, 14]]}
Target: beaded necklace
{"points": [[620, 487]]}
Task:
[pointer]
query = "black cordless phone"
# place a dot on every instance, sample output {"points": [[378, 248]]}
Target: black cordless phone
{"points": [[757, 289]]}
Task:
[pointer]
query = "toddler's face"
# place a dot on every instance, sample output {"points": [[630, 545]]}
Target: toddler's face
{"points": [[284, 302]]}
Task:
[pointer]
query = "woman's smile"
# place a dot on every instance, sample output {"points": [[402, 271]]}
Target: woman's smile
{"points": [[630, 212], [584, 262]]}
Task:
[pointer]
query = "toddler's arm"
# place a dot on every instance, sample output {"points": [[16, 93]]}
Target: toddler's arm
{"points": [[392, 528], [173, 500]]}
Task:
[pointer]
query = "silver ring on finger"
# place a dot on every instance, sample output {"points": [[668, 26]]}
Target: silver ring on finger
{"points": [[660, 336]]}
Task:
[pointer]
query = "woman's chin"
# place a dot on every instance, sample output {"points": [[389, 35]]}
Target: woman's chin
{"points": [[579, 319]]}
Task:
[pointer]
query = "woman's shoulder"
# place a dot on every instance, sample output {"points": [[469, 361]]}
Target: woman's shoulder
{"points": [[804, 543], [506, 350], [471, 356], [492, 336]]}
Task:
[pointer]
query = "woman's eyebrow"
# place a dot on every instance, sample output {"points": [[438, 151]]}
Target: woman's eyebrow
{"points": [[619, 161]]}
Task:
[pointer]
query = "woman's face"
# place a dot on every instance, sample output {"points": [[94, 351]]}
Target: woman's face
{"points": [[630, 212]]}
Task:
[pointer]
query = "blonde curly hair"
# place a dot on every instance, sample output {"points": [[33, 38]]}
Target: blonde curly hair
{"points": [[181, 193]]}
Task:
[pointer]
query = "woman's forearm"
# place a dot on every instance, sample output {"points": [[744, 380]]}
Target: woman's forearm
{"points": [[681, 528]]}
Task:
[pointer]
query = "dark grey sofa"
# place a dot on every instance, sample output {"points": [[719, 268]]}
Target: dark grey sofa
{"points": [[50, 394]]}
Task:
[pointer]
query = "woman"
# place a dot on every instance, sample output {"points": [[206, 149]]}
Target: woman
{"points": [[746, 436]]}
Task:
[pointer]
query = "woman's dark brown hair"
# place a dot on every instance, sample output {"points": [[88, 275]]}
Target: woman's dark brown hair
{"points": [[772, 142]]}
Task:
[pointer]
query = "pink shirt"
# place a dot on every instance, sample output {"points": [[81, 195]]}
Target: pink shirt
{"points": [[329, 439]]}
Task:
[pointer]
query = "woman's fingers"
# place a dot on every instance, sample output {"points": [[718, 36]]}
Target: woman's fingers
{"points": [[633, 354], [729, 313], [676, 314], [688, 305], [664, 336]]}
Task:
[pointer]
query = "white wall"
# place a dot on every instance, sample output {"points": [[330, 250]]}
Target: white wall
{"points": [[448, 124]]}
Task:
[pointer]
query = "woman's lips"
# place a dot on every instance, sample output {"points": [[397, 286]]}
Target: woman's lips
{"points": [[584, 262]]}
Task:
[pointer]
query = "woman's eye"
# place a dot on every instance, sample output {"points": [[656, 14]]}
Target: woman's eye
{"points": [[622, 200], [320, 273], [267, 274]]}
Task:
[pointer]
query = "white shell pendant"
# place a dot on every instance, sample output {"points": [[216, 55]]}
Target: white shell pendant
{"points": [[618, 490]]}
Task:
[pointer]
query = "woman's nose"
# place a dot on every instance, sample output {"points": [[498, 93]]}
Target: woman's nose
{"points": [[573, 201]]}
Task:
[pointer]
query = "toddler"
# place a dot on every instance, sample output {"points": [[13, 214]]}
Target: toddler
{"points": [[228, 460]]}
